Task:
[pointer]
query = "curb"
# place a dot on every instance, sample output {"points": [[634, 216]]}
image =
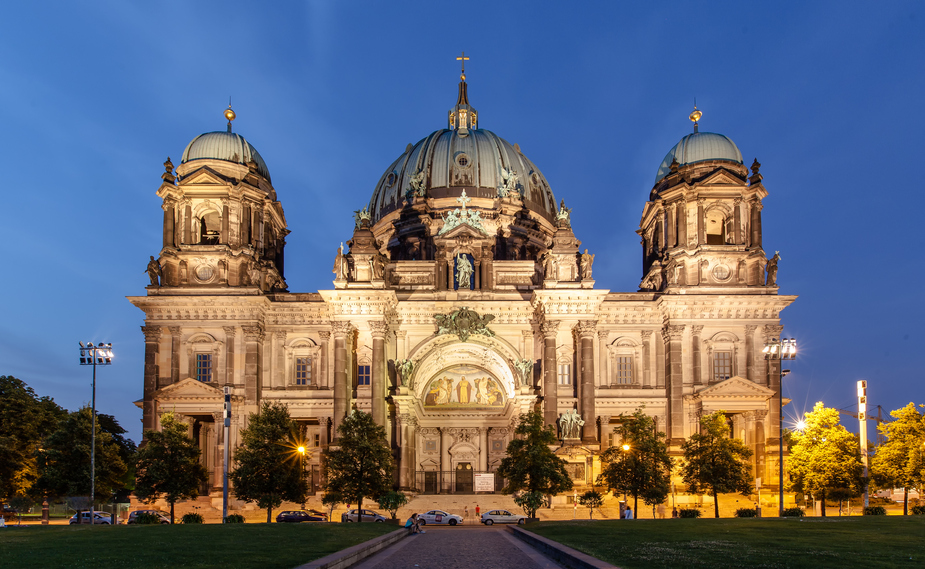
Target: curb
{"points": [[565, 556], [352, 555]]}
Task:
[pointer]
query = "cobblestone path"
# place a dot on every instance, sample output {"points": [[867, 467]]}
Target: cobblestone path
{"points": [[466, 547]]}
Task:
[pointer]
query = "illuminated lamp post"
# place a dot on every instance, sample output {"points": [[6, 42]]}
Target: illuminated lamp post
{"points": [[91, 355], [626, 449], [301, 450], [783, 349]]}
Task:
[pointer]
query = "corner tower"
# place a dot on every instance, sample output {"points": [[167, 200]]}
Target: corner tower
{"points": [[701, 228], [224, 229]]}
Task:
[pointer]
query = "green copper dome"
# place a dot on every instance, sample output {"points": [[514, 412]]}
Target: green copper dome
{"points": [[699, 147], [228, 146]]}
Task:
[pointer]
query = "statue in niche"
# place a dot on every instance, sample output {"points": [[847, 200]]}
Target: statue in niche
{"points": [[405, 368], [341, 266], [377, 266], [525, 367], [771, 268], [463, 272], [570, 424], [417, 184], [154, 270], [510, 183], [587, 260]]}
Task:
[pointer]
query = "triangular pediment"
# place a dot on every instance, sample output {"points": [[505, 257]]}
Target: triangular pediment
{"points": [[464, 230], [733, 388], [189, 388], [721, 177], [205, 177]]}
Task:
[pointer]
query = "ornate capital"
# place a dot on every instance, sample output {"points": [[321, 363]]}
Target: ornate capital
{"points": [[646, 334], [772, 331], [325, 335], [750, 329], [280, 336], [602, 335], [152, 333], [378, 328], [527, 334], [549, 327], [174, 331], [586, 328], [401, 333], [341, 328], [219, 418], [253, 333], [696, 329], [229, 331], [673, 332]]}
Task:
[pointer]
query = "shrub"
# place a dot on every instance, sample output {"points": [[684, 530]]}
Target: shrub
{"points": [[391, 501], [746, 513], [874, 511], [794, 513], [234, 519], [918, 510], [689, 513], [145, 518], [192, 518]]}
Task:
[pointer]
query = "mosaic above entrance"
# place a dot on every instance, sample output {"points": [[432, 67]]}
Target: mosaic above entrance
{"points": [[464, 386]]}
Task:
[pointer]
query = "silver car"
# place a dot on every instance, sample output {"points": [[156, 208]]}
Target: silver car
{"points": [[439, 517], [103, 518], [368, 516], [502, 517]]}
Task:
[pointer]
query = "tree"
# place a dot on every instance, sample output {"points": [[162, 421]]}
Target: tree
{"points": [[25, 421], [267, 467], [360, 466], [897, 463], [713, 461], [824, 456], [591, 499], [391, 501], [643, 469], [65, 466], [530, 466], [331, 500], [168, 465]]}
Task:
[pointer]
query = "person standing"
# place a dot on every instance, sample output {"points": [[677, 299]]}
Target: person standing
{"points": [[629, 513], [478, 516], [465, 514]]}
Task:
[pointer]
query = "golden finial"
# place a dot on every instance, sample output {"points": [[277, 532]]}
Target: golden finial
{"points": [[695, 116], [229, 114], [463, 59]]}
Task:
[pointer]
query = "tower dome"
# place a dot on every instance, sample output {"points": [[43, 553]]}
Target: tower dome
{"points": [[227, 146], [699, 147]]}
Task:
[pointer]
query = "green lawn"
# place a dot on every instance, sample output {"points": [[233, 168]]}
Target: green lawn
{"points": [[188, 546], [814, 543]]}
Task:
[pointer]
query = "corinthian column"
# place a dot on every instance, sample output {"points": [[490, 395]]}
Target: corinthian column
{"points": [[672, 337], [253, 344], [152, 346], [378, 329], [340, 329], [585, 330], [550, 393]]}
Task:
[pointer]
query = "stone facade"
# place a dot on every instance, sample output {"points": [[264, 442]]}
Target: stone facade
{"points": [[462, 301]]}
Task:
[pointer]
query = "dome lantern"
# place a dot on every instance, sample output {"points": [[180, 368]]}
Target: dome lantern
{"points": [[462, 117]]}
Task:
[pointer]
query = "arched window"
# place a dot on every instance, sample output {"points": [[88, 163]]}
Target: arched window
{"points": [[716, 227], [210, 225], [303, 357]]}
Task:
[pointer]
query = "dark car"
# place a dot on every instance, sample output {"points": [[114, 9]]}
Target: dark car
{"points": [[161, 516], [296, 516]]}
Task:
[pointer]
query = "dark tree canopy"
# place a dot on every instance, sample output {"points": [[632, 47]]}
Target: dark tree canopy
{"points": [[268, 468], [825, 457], [359, 465], [168, 465], [644, 469], [900, 461], [65, 463], [25, 421], [715, 462], [530, 466]]}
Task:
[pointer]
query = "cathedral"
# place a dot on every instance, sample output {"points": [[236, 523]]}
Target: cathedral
{"points": [[462, 300]]}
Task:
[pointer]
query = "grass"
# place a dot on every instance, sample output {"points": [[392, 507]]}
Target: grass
{"points": [[191, 546], [813, 543]]}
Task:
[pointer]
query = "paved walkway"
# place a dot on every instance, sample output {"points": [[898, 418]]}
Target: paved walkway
{"points": [[466, 547]]}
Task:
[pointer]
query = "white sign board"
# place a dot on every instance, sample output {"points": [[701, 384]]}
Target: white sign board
{"points": [[485, 482]]}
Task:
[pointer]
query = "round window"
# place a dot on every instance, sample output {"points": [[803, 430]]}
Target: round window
{"points": [[462, 160], [721, 272]]}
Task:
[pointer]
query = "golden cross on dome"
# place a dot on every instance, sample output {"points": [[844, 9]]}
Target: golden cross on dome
{"points": [[463, 59], [463, 199]]}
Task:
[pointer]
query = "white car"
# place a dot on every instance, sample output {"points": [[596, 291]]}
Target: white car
{"points": [[502, 517], [103, 518], [439, 517]]}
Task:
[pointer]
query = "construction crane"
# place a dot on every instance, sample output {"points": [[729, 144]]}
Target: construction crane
{"points": [[879, 418]]}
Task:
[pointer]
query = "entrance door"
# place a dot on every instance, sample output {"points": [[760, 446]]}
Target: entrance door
{"points": [[430, 482], [464, 478]]}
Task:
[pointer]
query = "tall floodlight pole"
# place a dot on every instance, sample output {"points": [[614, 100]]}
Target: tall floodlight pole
{"points": [[778, 350], [227, 428], [91, 355], [862, 419]]}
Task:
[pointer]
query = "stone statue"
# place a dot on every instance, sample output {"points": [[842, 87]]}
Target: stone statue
{"points": [[154, 270], [405, 368], [570, 425], [362, 216], [340, 265], [653, 280], [510, 183], [771, 268], [417, 184], [464, 322], [377, 266], [525, 367], [587, 260], [463, 272]]}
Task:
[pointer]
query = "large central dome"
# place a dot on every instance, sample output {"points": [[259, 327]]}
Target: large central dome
{"points": [[452, 160]]}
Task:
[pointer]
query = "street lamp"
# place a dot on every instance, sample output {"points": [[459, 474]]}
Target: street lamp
{"points": [[783, 349], [301, 450], [626, 449], [90, 355]]}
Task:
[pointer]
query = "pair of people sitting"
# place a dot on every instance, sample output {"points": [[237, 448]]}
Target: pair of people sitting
{"points": [[414, 524]]}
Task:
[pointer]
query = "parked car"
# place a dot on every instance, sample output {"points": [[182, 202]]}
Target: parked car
{"points": [[98, 518], [368, 516], [439, 517], [502, 517], [296, 516], [132, 517]]}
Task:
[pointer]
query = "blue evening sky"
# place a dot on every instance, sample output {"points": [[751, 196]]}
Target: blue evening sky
{"points": [[828, 95]]}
